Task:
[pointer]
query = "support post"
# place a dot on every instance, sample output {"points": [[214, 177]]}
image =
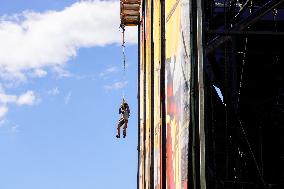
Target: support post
{"points": [[163, 96], [152, 110], [201, 100], [139, 105]]}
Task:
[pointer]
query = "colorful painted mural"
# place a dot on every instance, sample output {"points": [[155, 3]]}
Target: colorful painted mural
{"points": [[177, 92], [177, 79]]}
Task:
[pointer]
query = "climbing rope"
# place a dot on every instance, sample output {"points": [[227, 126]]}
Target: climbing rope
{"points": [[123, 48], [122, 26], [124, 110]]}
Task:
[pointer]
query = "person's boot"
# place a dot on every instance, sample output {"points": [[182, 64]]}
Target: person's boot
{"points": [[124, 134], [118, 133]]}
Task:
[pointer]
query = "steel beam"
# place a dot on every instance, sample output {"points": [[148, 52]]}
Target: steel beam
{"points": [[231, 33], [242, 25], [242, 9]]}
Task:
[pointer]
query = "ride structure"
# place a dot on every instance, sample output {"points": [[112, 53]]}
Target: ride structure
{"points": [[210, 94]]}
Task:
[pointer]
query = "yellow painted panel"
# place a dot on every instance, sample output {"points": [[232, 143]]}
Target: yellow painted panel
{"points": [[172, 27], [148, 94], [141, 116], [157, 115]]}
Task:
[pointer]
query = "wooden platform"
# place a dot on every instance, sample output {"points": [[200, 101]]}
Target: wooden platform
{"points": [[129, 12]]}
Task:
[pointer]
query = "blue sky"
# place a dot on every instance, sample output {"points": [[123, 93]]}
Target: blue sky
{"points": [[59, 128]]}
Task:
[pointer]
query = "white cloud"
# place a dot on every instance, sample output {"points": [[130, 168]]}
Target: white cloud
{"points": [[67, 98], [14, 129], [112, 69], [40, 73], [35, 41], [8, 127], [3, 112], [31, 43], [109, 70], [53, 92], [61, 72], [4, 98], [116, 85], [27, 98], [2, 121]]}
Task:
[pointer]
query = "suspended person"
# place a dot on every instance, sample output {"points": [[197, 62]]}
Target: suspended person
{"points": [[124, 112]]}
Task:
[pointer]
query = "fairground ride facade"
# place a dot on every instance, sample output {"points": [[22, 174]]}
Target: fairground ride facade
{"points": [[210, 94]]}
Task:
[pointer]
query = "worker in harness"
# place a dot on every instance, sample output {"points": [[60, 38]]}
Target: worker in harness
{"points": [[124, 112]]}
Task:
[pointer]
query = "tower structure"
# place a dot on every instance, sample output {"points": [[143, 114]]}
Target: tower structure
{"points": [[211, 94]]}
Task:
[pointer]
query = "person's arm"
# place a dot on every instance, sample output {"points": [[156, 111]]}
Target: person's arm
{"points": [[128, 109]]}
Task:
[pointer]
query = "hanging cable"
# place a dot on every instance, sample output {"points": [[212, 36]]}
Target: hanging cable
{"points": [[251, 7], [275, 13], [123, 47], [243, 131], [122, 26], [250, 150], [242, 72]]}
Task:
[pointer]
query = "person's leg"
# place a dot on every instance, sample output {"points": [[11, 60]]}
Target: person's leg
{"points": [[120, 123], [124, 128]]}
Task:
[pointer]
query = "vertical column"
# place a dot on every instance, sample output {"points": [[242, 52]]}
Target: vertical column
{"points": [[163, 96], [138, 115], [200, 77], [156, 58], [152, 111]]}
